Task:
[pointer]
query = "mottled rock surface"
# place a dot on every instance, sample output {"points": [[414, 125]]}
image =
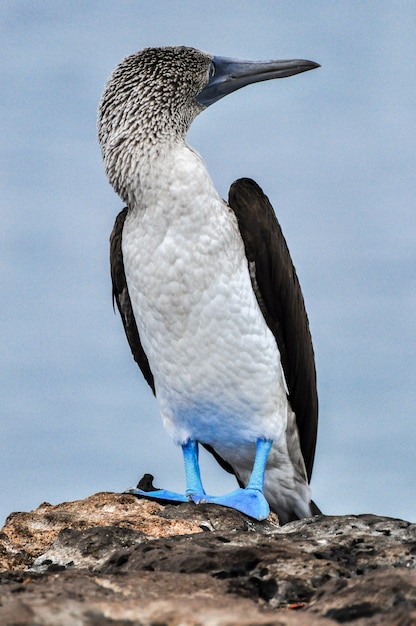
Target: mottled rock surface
{"points": [[115, 560]]}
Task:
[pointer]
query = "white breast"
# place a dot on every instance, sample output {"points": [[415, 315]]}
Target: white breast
{"points": [[215, 363]]}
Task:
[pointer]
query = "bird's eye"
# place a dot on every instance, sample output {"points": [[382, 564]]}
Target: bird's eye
{"points": [[211, 72]]}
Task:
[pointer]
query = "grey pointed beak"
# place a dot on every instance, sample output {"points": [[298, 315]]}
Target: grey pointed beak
{"points": [[228, 75]]}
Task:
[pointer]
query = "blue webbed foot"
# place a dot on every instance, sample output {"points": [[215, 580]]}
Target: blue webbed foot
{"points": [[193, 480], [159, 494], [249, 501]]}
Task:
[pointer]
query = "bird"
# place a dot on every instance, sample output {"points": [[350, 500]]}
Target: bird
{"points": [[206, 289]]}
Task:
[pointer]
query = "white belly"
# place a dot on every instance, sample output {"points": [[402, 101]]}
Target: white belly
{"points": [[215, 363]]}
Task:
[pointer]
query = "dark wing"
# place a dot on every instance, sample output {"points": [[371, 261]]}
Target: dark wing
{"points": [[122, 298], [280, 298]]}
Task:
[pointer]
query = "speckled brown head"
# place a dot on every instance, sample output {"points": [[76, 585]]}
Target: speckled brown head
{"points": [[149, 99], [155, 87]]}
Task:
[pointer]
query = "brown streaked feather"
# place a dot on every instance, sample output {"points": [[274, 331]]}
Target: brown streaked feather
{"points": [[280, 298], [122, 298]]}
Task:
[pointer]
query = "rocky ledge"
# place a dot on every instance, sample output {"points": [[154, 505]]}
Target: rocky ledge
{"points": [[115, 560]]}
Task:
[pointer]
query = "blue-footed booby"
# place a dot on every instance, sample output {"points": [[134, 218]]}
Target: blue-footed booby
{"points": [[207, 292]]}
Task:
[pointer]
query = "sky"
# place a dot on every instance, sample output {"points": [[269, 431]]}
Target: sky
{"points": [[335, 151]]}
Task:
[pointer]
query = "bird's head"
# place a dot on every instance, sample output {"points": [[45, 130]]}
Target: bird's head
{"points": [[153, 96], [148, 103], [152, 92]]}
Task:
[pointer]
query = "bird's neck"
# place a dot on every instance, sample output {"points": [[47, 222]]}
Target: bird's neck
{"points": [[168, 171]]}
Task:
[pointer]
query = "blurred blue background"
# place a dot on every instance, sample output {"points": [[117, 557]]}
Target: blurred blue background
{"points": [[334, 149]]}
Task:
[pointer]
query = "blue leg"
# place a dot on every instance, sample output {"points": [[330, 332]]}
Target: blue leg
{"points": [[263, 447], [250, 500], [192, 471], [192, 474]]}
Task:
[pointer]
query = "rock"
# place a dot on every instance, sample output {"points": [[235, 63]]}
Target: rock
{"points": [[28, 535], [115, 559]]}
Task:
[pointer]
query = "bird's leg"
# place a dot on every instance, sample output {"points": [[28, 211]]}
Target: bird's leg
{"points": [[263, 447], [250, 500], [193, 479], [192, 471]]}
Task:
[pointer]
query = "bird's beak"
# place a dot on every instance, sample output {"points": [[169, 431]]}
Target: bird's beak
{"points": [[228, 75]]}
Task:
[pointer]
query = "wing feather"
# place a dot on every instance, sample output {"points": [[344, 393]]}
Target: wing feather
{"points": [[122, 298]]}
